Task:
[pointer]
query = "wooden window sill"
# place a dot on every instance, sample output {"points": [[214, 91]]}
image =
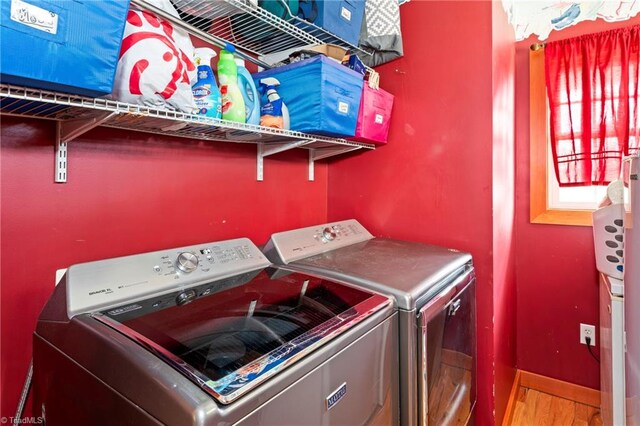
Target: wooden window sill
{"points": [[563, 217]]}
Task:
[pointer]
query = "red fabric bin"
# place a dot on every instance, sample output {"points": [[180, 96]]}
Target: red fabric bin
{"points": [[374, 116]]}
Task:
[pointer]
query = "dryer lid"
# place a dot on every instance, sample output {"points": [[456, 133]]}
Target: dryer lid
{"points": [[411, 272]]}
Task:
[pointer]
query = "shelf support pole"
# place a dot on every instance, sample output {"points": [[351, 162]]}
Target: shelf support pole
{"points": [[319, 154], [68, 130], [264, 150]]}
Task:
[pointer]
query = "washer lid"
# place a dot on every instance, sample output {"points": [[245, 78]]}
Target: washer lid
{"points": [[228, 336], [409, 271]]}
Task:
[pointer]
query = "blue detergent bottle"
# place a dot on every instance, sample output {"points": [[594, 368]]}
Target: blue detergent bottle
{"points": [[249, 93], [205, 92]]}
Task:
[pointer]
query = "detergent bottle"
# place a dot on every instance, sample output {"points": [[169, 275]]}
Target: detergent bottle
{"points": [[205, 92], [273, 112], [232, 100], [249, 93]]}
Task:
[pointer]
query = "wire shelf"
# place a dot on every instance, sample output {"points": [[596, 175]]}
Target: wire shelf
{"points": [[248, 27], [34, 103], [253, 30]]}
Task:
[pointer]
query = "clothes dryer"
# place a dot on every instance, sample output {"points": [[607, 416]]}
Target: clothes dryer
{"points": [[434, 288]]}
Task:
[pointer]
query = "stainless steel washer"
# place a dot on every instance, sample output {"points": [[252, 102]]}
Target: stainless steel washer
{"points": [[211, 335], [435, 292]]}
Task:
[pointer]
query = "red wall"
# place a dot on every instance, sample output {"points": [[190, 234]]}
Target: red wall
{"points": [[434, 181], [445, 178], [557, 279], [127, 193], [504, 279]]}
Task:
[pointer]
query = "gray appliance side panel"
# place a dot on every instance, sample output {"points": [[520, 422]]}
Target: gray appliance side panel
{"points": [[121, 364], [366, 370], [67, 394], [408, 367], [403, 269]]}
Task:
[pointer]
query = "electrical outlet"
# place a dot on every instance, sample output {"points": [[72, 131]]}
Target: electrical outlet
{"points": [[587, 330]]}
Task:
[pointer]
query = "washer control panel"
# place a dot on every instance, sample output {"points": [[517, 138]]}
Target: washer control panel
{"points": [[289, 246], [99, 285]]}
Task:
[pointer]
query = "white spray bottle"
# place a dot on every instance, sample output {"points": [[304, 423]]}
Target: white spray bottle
{"points": [[273, 112], [205, 92]]}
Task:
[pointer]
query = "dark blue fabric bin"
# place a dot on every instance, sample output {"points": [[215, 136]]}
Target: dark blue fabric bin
{"points": [[323, 96], [342, 18], [68, 46]]}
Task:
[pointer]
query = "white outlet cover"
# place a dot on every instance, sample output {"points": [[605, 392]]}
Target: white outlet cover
{"points": [[587, 330]]}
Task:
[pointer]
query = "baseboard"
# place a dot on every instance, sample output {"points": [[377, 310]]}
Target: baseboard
{"points": [[555, 387], [513, 396], [560, 389]]}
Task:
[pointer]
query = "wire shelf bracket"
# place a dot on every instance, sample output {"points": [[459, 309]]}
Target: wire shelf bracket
{"points": [[66, 131], [319, 154], [267, 150]]}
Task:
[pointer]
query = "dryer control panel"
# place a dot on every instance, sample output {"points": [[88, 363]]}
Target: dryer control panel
{"points": [[103, 284], [289, 246]]}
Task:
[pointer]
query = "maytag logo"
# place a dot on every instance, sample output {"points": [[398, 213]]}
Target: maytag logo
{"points": [[201, 92], [336, 396]]}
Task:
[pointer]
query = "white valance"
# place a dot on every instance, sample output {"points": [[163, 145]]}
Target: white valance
{"points": [[540, 17]]}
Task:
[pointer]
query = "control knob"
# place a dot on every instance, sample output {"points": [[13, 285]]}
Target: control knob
{"points": [[187, 261], [329, 234], [185, 297]]}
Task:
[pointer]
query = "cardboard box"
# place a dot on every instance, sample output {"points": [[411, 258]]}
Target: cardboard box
{"points": [[330, 50]]}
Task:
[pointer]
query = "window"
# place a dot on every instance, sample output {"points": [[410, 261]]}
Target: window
{"points": [[571, 197], [543, 207], [595, 121]]}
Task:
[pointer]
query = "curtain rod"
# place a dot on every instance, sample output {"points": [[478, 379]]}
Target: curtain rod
{"points": [[537, 46]]}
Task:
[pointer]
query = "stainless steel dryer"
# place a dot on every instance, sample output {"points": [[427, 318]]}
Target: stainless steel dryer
{"points": [[435, 292], [211, 335]]}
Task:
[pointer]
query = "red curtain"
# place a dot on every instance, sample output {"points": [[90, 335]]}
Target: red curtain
{"points": [[592, 88]]}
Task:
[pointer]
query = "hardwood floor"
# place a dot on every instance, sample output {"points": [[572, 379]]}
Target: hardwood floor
{"points": [[538, 408]]}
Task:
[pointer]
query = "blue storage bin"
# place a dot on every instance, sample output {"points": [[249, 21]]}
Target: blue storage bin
{"points": [[342, 18], [323, 96], [68, 46]]}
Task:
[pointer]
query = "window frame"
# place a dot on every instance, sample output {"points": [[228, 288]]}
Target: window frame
{"points": [[539, 211]]}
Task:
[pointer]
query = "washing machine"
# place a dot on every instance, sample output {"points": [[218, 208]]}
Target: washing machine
{"points": [[434, 289], [211, 334]]}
